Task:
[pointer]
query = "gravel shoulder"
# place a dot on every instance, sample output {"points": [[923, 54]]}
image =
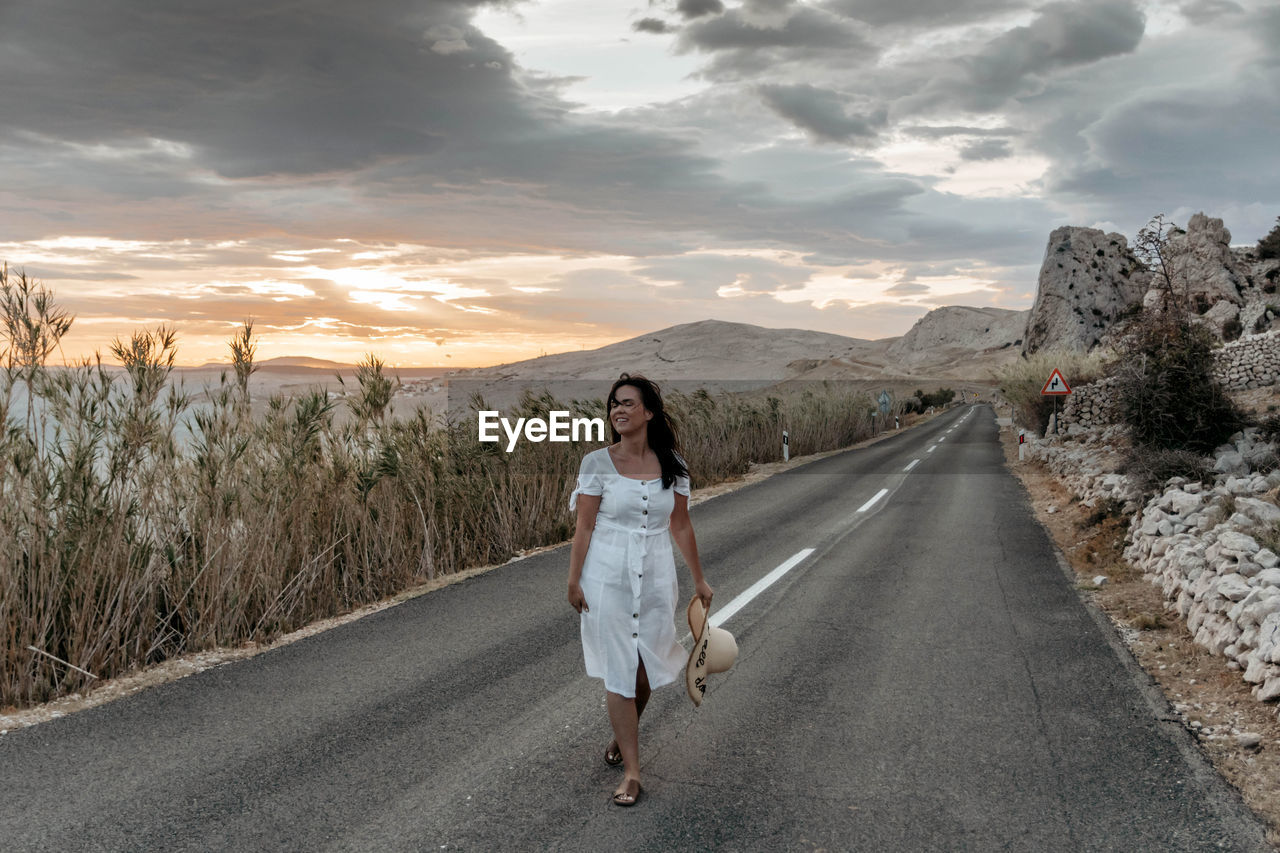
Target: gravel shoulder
{"points": [[1238, 734]]}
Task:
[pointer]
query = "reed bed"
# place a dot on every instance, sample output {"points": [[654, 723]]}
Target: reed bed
{"points": [[135, 526]]}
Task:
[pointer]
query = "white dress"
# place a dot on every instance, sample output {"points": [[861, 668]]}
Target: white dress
{"points": [[629, 578]]}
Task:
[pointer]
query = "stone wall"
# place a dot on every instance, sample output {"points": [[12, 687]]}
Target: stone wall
{"points": [[1210, 547], [1090, 405], [1251, 362]]}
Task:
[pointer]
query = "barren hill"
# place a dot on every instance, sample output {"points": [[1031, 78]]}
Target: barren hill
{"points": [[953, 343]]}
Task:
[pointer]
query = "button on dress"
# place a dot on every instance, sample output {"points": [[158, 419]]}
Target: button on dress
{"points": [[629, 578]]}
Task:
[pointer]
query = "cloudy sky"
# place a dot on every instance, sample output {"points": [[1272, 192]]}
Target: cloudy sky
{"points": [[460, 182]]}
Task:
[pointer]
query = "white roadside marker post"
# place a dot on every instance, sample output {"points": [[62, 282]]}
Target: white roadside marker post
{"points": [[786, 446]]}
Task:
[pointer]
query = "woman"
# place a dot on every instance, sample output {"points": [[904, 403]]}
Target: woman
{"points": [[622, 575]]}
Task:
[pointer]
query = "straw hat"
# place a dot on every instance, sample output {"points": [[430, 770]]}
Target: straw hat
{"points": [[714, 650]]}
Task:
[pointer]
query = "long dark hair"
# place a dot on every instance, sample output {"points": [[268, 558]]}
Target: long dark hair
{"points": [[662, 429]]}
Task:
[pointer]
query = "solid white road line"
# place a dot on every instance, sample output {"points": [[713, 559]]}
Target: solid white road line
{"points": [[914, 463], [722, 615], [869, 504]]}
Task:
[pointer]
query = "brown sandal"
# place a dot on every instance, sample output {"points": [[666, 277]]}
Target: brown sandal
{"points": [[613, 754], [626, 800]]}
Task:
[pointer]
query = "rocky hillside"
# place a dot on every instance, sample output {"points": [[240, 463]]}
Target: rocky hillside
{"points": [[1090, 280], [1087, 281], [955, 328]]}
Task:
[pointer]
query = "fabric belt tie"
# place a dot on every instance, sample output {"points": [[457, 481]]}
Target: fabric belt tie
{"points": [[637, 550]]}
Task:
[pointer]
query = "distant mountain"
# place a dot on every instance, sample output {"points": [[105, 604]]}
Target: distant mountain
{"points": [[953, 343], [302, 361], [957, 327], [704, 350], [283, 363]]}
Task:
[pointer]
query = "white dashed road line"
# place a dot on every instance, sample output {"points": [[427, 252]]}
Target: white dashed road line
{"points": [[721, 616], [869, 504], [742, 600]]}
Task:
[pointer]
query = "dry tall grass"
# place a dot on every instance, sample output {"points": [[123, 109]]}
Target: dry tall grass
{"points": [[1022, 381], [124, 540]]}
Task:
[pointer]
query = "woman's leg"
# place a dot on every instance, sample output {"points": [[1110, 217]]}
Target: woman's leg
{"points": [[624, 716]]}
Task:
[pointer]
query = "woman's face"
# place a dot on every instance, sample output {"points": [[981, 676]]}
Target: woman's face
{"points": [[627, 412]]}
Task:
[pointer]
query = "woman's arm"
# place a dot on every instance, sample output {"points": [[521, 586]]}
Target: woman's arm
{"points": [[588, 506], [682, 533]]}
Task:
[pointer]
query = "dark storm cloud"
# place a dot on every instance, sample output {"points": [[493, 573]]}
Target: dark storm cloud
{"points": [[1141, 148], [257, 86], [805, 28], [750, 40], [396, 122], [823, 113], [987, 149], [1063, 35], [392, 120], [698, 8], [656, 26], [928, 12], [1206, 11], [944, 131]]}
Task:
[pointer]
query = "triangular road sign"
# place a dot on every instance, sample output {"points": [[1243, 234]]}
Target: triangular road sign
{"points": [[1056, 384]]}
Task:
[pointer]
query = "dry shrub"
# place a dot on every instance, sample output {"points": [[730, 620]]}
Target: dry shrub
{"points": [[136, 526], [1168, 395], [1151, 468], [1022, 381]]}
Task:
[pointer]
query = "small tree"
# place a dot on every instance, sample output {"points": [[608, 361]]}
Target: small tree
{"points": [[1269, 246], [1168, 395], [1153, 248]]}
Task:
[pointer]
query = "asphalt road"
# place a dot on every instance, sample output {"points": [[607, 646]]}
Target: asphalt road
{"points": [[925, 679]]}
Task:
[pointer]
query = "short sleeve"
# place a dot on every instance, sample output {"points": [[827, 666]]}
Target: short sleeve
{"points": [[682, 483], [590, 481]]}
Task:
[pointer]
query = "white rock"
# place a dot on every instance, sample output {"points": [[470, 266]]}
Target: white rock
{"points": [[1249, 740], [1179, 502], [1270, 689], [1229, 462], [1233, 587], [1263, 512], [1258, 611], [1255, 670], [1240, 543], [1240, 521], [1238, 486], [1266, 558], [1100, 580]]}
